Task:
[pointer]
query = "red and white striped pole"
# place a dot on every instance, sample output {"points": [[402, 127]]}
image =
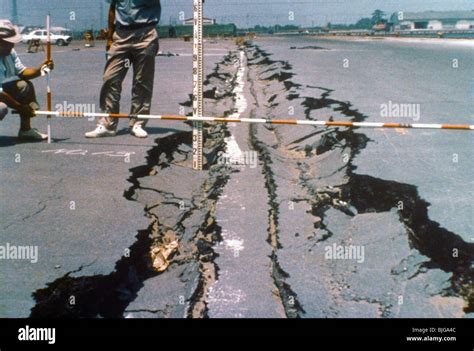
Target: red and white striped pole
{"points": [[48, 57], [263, 121]]}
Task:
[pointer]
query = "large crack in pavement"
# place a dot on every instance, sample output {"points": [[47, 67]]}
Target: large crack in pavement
{"points": [[368, 194], [292, 306], [315, 200], [277, 71], [318, 199], [246, 286], [180, 203]]}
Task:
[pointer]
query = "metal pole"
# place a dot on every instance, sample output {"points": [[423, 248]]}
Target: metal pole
{"points": [[48, 80], [198, 79]]}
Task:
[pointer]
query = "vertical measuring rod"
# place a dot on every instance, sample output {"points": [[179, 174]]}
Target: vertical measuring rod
{"points": [[198, 79], [48, 79]]}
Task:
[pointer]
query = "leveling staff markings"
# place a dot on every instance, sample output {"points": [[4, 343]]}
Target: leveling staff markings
{"points": [[198, 81]]}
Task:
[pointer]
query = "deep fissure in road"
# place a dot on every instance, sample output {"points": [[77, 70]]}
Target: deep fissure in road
{"points": [[358, 194], [191, 218]]}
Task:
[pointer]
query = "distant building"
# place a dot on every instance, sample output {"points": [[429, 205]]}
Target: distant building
{"points": [[205, 21], [432, 20]]}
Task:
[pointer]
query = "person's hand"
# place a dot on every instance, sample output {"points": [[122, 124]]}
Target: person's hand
{"points": [[26, 111], [109, 44], [48, 63]]}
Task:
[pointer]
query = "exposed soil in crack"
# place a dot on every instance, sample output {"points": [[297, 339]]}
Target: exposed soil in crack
{"points": [[185, 214], [314, 195], [293, 308], [288, 297]]}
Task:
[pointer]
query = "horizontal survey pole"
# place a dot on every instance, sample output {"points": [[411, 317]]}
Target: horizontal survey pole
{"points": [[261, 120]]}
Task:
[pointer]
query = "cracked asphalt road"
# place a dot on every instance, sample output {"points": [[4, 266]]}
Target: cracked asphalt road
{"points": [[37, 194], [312, 189]]}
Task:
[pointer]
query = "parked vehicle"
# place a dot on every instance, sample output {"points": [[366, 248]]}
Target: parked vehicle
{"points": [[380, 27], [42, 35]]}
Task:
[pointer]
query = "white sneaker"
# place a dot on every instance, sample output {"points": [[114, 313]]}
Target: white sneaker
{"points": [[138, 131], [32, 134], [100, 131]]}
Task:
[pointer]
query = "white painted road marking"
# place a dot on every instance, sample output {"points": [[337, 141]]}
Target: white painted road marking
{"points": [[82, 152]]}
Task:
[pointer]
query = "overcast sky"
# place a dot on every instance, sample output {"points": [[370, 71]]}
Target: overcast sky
{"points": [[91, 13]]}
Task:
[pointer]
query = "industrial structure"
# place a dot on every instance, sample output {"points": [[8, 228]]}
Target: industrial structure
{"points": [[432, 20]]}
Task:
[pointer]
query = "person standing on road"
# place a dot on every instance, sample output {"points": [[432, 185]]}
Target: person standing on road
{"points": [[132, 41], [16, 90]]}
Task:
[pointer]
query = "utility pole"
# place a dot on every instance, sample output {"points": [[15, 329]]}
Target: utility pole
{"points": [[14, 12]]}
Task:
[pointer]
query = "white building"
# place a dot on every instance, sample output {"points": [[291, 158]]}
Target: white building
{"points": [[432, 20]]}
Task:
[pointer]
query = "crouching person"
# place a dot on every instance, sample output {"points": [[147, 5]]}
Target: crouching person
{"points": [[16, 90]]}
